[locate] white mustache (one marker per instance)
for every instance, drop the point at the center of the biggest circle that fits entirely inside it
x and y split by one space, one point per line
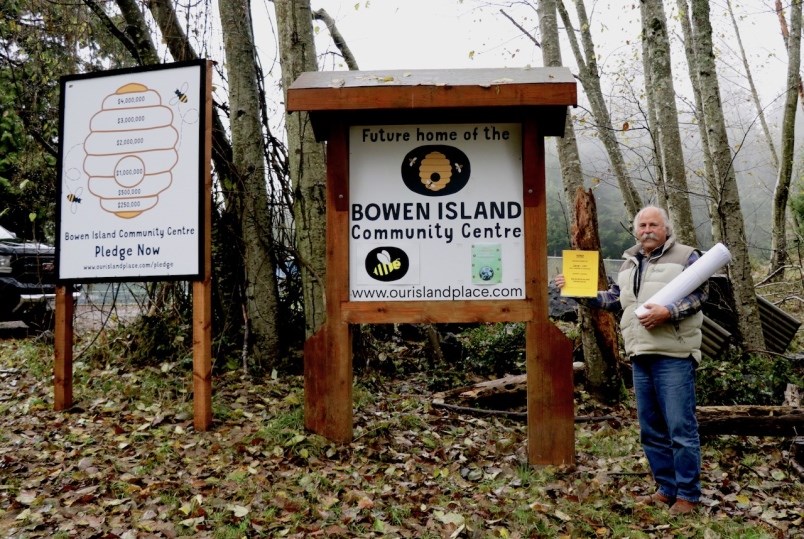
649 236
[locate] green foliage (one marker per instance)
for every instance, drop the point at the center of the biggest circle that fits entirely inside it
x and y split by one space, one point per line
752 379
160 337
25 169
558 224
41 42
494 349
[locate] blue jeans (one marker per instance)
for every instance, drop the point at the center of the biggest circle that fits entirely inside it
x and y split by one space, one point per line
665 395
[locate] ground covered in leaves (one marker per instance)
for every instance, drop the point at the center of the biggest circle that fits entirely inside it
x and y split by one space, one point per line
126 462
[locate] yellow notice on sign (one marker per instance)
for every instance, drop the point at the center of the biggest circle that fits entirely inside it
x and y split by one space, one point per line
580 273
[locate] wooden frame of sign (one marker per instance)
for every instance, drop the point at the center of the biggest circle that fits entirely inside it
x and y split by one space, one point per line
537 99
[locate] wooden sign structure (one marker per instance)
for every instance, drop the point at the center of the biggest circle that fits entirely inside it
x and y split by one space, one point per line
135 198
535 100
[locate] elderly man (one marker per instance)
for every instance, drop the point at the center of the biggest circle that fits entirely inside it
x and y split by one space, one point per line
664 348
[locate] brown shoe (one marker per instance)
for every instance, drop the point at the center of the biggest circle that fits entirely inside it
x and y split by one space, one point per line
654 499
683 507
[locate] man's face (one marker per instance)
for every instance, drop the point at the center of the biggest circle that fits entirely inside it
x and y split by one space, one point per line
651 231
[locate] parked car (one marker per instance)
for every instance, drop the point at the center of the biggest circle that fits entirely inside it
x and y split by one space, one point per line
27 281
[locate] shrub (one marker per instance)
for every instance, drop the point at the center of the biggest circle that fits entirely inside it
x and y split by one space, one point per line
750 379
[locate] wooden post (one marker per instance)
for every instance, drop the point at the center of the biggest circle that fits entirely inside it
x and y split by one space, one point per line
551 416
202 290
202 360
328 354
63 349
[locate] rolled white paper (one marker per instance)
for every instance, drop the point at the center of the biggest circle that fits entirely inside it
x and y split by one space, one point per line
690 279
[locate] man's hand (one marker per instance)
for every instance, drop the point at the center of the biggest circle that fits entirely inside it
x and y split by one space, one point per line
656 315
559 280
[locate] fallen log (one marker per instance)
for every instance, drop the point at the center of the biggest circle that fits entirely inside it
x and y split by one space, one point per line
496 396
498 393
747 420
516 416
712 420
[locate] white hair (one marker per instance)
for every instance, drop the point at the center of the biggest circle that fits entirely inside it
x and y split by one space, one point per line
662 212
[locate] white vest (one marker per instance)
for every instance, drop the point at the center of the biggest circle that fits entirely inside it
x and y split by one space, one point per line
680 338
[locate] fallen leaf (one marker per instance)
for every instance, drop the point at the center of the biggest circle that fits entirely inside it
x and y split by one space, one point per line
238 510
450 518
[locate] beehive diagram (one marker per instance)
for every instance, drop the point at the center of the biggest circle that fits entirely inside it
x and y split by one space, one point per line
435 171
130 151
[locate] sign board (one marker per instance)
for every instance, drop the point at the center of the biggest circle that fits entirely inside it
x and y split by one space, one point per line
436 212
131 174
433 179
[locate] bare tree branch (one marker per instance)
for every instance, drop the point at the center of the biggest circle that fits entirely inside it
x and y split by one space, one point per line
521 29
322 15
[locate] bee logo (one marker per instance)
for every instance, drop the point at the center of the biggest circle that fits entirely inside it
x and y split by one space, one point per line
181 94
74 199
387 263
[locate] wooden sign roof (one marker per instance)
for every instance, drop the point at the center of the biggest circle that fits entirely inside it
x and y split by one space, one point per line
434 96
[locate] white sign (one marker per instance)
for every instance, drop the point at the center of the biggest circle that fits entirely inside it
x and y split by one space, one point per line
131 174
436 213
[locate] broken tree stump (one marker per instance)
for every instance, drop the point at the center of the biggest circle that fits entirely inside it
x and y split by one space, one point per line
598 328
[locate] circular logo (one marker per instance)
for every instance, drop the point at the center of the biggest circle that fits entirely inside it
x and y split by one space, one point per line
387 263
435 170
486 273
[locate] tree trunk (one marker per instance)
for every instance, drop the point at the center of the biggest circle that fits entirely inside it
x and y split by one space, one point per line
785 36
724 189
709 167
308 169
182 51
654 27
568 155
137 31
655 170
590 79
247 153
603 379
781 192
570 162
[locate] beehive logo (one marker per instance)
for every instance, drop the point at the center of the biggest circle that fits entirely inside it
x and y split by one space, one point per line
387 263
131 150
435 170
